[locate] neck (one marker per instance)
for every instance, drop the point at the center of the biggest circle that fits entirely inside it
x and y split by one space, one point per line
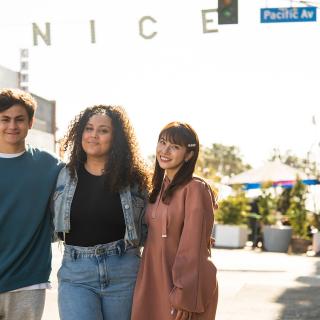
95 166
11 149
170 175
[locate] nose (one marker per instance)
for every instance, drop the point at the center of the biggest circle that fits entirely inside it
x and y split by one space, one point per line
12 124
167 149
94 133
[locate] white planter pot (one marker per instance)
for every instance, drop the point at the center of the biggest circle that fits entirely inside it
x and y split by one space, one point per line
230 236
316 242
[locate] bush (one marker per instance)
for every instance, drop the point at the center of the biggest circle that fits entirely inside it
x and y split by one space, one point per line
297 212
267 206
233 210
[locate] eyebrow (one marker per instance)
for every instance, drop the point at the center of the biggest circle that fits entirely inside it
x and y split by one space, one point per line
20 116
100 126
173 143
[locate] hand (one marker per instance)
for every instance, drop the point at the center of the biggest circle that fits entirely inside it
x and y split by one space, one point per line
183 315
213 242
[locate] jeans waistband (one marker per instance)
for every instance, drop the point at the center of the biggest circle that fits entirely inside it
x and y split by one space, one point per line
112 248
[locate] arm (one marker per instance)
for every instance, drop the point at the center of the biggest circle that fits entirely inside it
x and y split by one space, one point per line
139 202
194 275
51 208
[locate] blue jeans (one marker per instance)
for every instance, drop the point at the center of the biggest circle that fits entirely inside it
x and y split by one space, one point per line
97 283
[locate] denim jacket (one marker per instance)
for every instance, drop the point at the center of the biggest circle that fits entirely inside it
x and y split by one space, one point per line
133 205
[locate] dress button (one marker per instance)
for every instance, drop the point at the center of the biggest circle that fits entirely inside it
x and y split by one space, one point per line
126 206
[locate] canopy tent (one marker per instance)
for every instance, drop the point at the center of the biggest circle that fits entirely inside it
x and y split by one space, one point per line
276 172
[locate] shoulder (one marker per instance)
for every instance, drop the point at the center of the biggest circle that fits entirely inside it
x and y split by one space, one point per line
64 174
40 154
136 190
197 183
44 158
197 186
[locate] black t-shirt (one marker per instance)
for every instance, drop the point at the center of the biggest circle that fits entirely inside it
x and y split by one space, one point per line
96 213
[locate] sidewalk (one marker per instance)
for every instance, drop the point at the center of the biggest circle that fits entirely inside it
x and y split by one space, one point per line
267 286
252 284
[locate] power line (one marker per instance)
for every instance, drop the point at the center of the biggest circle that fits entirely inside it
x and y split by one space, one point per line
310 3
305 2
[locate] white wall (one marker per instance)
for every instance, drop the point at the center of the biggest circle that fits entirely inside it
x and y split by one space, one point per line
8 78
41 139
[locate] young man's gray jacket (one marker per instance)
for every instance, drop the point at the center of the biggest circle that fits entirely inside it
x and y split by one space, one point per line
133 205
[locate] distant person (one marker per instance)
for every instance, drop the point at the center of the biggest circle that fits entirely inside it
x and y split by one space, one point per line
99 203
27 178
255 223
177 279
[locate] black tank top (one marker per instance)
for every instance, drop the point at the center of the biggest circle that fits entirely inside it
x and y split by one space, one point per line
96 213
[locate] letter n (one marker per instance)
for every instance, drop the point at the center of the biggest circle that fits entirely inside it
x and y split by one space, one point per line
44 36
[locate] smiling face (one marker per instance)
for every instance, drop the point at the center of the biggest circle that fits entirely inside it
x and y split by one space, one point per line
14 126
97 136
171 156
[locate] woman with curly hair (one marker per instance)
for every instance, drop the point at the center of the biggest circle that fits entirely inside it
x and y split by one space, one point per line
98 205
177 279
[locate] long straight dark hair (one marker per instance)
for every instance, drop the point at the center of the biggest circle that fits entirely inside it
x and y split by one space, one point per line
184 135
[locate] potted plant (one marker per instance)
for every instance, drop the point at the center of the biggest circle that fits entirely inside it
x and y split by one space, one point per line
276 236
298 219
231 230
316 233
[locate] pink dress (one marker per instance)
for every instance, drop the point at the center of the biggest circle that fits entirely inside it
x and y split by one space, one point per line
176 269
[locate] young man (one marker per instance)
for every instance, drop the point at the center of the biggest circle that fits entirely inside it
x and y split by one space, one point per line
27 178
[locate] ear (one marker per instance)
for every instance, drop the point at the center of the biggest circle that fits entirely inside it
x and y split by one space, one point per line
31 123
188 156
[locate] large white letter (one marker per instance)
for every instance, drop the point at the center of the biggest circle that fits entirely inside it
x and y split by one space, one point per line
141 32
44 36
205 21
93 31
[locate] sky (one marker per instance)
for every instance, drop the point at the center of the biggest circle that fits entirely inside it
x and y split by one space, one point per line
252 85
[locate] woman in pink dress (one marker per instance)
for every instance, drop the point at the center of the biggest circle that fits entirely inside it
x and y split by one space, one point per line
177 279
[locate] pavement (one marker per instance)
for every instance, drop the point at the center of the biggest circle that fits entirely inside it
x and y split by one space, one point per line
252 285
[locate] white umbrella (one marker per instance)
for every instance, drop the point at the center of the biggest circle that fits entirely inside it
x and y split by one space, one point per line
274 171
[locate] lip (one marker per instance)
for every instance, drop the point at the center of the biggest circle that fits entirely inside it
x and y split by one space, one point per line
164 159
12 133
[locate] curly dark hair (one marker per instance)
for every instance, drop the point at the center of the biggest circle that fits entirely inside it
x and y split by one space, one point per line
124 166
184 135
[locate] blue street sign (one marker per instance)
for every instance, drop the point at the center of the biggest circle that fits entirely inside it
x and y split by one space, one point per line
297 14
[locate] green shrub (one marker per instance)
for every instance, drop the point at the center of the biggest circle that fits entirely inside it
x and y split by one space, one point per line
297 212
233 210
267 205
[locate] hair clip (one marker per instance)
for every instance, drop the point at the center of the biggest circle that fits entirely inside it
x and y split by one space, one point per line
190 145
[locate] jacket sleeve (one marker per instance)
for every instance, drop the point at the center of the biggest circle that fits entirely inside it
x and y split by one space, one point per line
144 227
51 208
54 236
194 275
